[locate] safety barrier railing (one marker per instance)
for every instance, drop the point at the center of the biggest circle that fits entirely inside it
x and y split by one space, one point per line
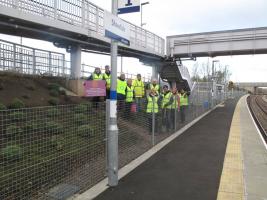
27 60
55 151
84 14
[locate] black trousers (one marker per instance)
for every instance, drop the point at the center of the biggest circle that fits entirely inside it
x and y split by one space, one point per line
182 113
150 122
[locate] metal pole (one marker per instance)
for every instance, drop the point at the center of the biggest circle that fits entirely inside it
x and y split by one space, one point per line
121 63
175 113
113 128
153 121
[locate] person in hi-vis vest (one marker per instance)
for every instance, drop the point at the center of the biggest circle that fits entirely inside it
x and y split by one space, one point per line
121 94
139 91
129 97
107 78
152 108
183 104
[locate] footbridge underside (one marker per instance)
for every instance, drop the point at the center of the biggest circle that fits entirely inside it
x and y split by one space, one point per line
68 23
219 43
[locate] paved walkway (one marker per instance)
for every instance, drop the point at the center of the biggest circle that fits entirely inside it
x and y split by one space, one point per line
189 167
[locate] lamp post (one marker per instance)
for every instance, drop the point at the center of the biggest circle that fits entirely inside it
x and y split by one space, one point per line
142 4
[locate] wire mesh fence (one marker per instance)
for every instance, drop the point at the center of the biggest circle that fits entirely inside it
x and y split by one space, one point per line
56 151
49 151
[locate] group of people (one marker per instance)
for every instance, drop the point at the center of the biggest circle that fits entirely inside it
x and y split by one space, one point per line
150 97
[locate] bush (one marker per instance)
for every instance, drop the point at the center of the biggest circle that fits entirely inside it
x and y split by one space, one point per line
13 130
54 93
62 92
54 127
53 112
85 131
17 104
80 119
12 152
81 108
53 86
57 143
53 101
2 107
17 116
32 126
30 87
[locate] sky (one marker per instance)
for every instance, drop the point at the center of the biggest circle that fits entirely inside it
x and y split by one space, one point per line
173 17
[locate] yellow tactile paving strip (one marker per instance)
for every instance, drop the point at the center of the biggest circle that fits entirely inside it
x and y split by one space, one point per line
232 182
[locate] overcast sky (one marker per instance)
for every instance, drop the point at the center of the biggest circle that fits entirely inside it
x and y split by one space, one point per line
173 17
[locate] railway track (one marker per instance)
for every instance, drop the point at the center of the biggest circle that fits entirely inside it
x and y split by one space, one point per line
258 108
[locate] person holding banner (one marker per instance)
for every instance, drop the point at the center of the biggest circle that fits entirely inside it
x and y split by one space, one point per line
96 75
107 78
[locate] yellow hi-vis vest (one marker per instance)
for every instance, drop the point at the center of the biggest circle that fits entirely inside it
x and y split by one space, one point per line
129 94
183 100
156 87
121 86
152 106
107 78
166 99
175 101
139 88
97 77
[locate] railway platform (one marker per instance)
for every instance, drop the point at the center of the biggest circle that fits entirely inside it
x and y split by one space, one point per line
220 157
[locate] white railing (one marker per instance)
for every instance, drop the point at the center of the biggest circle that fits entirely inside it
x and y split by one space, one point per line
84 14
27 60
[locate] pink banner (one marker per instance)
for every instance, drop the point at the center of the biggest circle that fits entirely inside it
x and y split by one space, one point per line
95 88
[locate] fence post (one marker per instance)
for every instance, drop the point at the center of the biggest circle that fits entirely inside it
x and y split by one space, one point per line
14 56
34 62
49 63
175 113
153 121
106 138
63 65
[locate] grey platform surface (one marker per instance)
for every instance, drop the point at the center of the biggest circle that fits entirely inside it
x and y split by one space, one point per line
188 168
254 155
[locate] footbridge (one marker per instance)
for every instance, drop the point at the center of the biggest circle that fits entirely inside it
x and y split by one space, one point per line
218 43
252 87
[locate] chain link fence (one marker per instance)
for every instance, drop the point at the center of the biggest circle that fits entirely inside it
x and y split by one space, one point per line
54 152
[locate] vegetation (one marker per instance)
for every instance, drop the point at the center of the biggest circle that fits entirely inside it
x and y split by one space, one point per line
53 101
12 152
54 93
80 119
53 112
17 116
17 104
53 127
85 131
81 108
13 130
2 106
53 86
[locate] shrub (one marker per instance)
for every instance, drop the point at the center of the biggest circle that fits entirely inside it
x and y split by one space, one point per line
17 104
62 92
85 131
25 96
57 142
81 108
53 86
32 126
53 101
13 130
53 112
80 119
54 93
54 127
2 107
17 116
30 87
1 86
12 152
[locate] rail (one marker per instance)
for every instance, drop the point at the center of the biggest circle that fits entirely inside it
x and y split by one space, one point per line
86 15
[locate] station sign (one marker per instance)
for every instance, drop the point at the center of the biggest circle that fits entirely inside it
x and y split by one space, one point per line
116 28
128 6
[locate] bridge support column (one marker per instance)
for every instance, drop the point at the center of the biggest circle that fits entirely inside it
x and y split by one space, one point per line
155 72
76 59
